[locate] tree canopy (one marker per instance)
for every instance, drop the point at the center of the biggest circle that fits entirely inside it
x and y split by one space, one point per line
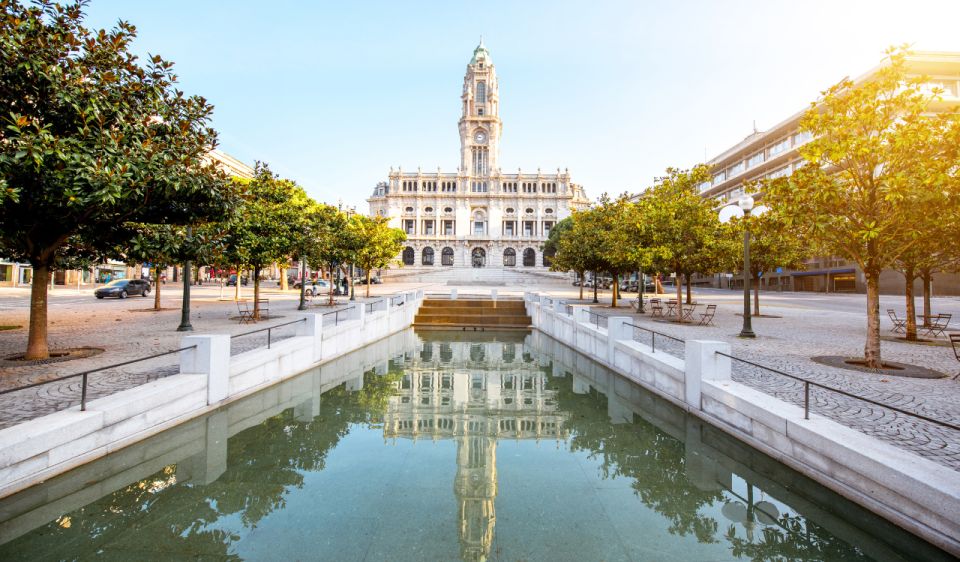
91 138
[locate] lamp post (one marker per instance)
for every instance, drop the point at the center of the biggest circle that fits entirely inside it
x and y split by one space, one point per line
746 205
743 209
303 284
185 325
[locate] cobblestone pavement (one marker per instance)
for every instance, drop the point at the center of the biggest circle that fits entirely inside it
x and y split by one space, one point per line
125 330
827 325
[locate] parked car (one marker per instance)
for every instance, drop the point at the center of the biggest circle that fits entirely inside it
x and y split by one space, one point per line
232 282
315 287
374 280
123 288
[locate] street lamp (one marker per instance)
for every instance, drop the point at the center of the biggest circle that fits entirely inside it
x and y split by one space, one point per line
185 325
742 209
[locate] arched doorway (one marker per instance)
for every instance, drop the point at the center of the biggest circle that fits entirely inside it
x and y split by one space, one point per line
479 257
446 256
427 256
548 257
529 257
408 257
510 257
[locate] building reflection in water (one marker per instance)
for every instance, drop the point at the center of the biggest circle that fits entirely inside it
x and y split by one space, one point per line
476 394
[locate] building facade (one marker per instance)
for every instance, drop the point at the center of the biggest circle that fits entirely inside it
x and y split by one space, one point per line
775 153
477 216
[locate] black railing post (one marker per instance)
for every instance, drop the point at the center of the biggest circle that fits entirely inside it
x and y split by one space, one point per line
653 342
806 400
268 337
83 394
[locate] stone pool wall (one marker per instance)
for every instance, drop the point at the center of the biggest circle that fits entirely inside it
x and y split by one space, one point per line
209 378
915 493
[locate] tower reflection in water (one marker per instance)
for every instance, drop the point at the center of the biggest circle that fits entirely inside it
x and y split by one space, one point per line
474 393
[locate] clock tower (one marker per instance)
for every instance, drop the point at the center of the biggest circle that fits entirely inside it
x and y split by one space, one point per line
480 117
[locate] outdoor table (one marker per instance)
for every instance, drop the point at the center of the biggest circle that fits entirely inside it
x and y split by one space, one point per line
671 306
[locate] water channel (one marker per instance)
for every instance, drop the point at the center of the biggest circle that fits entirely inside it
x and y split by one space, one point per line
445 446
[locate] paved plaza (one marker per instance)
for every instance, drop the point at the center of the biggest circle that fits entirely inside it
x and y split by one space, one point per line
809 324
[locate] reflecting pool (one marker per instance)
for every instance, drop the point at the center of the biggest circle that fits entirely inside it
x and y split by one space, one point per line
445 446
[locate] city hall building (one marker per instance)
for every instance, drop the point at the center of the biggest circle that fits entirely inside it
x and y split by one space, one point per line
479 216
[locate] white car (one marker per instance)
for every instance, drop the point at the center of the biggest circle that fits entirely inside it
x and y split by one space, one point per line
317 287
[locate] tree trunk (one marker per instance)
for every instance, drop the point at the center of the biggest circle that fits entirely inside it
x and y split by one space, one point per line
614 291
330 292
580 273
927 276
256 293
756 294
284 284
368 283
910 275
595 288
689 294
871 348
37 338
657 285
156 283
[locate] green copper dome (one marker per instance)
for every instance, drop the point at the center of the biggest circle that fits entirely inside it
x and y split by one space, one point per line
480 52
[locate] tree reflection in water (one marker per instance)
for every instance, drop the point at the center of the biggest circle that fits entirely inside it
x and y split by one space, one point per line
268 461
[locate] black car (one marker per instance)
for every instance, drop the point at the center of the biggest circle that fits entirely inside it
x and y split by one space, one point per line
123 288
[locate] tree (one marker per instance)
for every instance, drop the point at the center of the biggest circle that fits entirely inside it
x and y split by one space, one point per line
685 229
562 244
90 139
377 243
157 244
878 163
622 245
267 226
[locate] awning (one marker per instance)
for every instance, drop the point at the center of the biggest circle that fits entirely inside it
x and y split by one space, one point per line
823 272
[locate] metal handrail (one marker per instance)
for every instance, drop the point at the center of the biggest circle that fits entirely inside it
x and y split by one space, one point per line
369 306
268 330
568 308
398 300
653 336
84 374
336 313
807 383
598 320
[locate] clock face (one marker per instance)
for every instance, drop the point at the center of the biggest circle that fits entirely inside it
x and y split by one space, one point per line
480 137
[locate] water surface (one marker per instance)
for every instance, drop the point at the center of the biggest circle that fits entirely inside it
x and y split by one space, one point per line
496 446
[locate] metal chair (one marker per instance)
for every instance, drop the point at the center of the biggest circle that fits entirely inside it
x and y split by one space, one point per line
955 343
938 324
246 315
899 325
656 309
706 319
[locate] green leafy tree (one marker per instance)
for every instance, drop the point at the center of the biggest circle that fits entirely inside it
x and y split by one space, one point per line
377 244
267 227
90 139
623 244
684 227
878 163
566 255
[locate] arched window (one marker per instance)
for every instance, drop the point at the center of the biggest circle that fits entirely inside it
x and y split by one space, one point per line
446 256
408 257
510 210
548 257
408 210
428 210
427 256
448 209
548 211
529 257
481 92
510 257
529 211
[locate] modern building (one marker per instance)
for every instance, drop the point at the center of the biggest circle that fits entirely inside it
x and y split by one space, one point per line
776 153
477 216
